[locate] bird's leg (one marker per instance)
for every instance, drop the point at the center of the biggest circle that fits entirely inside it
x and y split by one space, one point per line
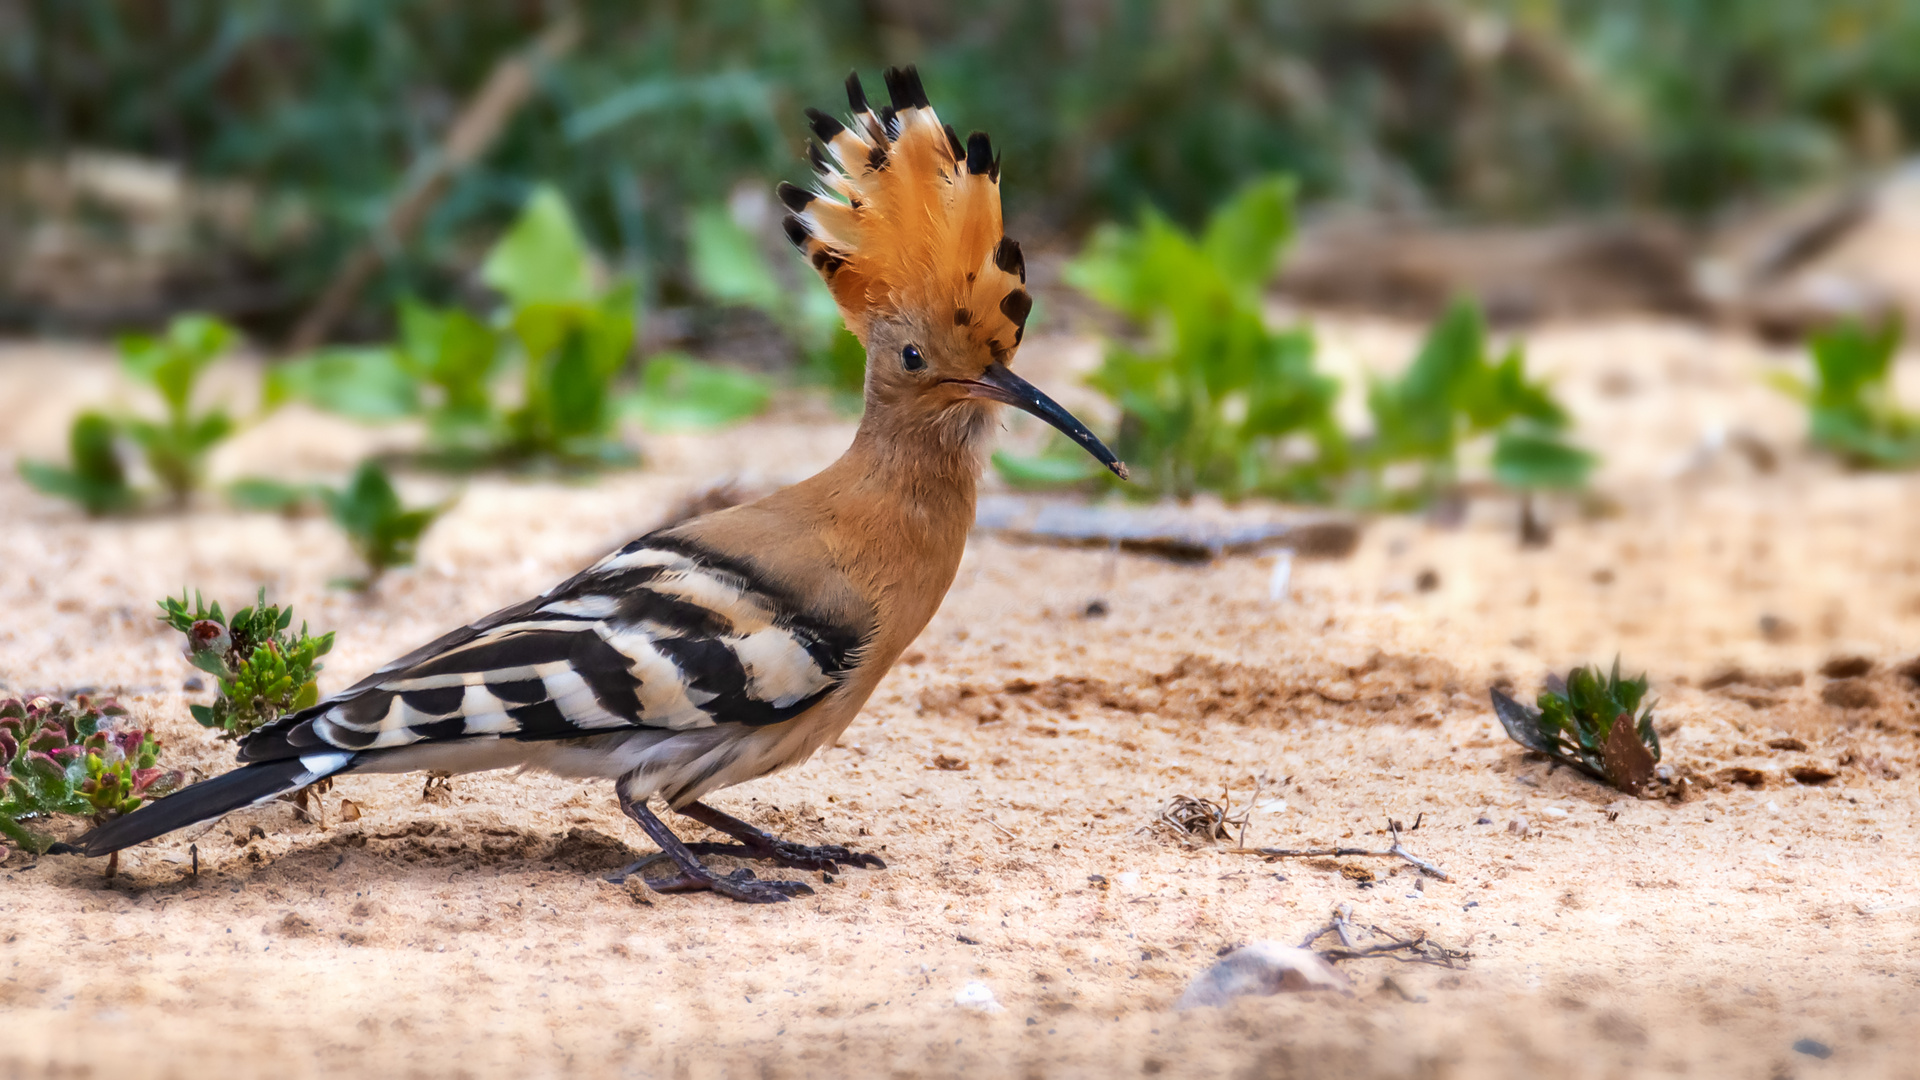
757 844
694 877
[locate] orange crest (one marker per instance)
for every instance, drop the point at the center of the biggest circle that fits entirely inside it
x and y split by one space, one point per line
908 219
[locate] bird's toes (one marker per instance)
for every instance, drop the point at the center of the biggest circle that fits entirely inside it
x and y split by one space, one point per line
743 886
828 857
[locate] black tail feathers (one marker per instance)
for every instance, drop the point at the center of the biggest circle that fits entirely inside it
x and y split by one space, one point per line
208 800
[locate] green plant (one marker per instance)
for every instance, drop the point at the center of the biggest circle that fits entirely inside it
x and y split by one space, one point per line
72 757
1216 401
382 530
571 339
730 265
1596 722
1851 408
1454 392
97 479
176 448
679 393
263 671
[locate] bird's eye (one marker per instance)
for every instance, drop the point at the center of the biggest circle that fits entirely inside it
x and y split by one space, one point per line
910 356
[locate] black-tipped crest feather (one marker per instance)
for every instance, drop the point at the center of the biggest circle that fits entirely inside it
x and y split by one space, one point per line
795 198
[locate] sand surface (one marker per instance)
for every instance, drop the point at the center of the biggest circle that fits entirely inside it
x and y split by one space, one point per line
1023 748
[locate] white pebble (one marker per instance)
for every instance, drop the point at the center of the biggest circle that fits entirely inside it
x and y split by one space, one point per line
978 996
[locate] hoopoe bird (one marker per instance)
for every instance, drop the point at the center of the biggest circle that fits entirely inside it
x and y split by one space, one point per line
724 648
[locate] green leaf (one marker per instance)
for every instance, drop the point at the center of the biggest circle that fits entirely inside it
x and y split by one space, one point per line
172 363
97 480
1244 236
1045 471
728 265
382 530
679 393
1537 459
450 349
362 383
275 496
543 258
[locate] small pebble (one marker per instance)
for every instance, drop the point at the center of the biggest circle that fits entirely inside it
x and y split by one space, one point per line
978 996
1813 1048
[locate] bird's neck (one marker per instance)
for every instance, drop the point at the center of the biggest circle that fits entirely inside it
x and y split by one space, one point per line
900 503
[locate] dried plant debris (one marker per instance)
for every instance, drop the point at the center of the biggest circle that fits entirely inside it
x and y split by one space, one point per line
1397 851
1589 722
1191 819
263 671
81 757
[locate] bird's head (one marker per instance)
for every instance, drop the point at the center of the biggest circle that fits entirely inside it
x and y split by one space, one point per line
905 230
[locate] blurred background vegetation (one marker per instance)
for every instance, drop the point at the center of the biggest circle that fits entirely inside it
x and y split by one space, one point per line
285 132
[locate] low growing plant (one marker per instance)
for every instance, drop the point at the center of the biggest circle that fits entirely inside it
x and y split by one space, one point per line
1851 407
1215 400
569 337
263 671
383 530
97 477
1596 722
80 757
1454 392
175 447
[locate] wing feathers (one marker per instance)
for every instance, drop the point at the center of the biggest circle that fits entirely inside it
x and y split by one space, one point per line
657 635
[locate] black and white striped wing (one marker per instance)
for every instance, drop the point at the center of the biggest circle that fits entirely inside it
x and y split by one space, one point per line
660 634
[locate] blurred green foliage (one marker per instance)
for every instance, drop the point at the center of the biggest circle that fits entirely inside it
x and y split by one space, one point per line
263 670
1216 401
97 478
175 448
570 337
1453 392
730 265
1210 402
1851 407
1502 107
383 530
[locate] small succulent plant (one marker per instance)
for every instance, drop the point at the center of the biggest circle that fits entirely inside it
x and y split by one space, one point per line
263 671
72 757
1596 722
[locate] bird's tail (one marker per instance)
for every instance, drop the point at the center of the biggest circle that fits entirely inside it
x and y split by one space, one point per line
209 799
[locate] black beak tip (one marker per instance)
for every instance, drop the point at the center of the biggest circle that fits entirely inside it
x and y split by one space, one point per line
1120 470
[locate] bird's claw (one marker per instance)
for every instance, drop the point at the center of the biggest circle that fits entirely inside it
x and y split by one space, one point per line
828 857
741 885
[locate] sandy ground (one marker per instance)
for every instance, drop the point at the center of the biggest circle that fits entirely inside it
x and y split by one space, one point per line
475 936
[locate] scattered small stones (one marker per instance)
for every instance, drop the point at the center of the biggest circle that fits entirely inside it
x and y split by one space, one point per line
1741 774
1786 743
946 763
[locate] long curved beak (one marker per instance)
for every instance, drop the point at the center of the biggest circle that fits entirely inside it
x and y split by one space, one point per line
1000 384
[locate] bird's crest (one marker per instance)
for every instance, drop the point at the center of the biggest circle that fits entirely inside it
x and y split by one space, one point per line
907 219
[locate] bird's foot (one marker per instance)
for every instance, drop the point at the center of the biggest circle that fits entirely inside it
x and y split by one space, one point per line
828 857
741 885
759 844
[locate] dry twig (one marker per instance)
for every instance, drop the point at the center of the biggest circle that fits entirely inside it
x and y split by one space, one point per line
1415 950
1398 851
